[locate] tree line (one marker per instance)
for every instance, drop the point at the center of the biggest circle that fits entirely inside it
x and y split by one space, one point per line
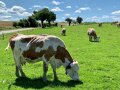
32 21
42 15
78 20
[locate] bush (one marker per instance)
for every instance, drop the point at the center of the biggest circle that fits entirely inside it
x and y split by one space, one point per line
15 24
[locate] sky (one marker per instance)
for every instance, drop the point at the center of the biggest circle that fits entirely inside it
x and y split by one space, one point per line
89 10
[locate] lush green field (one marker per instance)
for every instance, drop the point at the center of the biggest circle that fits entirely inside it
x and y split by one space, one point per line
99 62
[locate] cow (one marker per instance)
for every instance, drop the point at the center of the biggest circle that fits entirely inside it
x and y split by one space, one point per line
99 24
63 32
92 35
118 24
47 48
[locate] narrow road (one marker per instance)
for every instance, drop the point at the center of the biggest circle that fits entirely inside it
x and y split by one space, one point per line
11 31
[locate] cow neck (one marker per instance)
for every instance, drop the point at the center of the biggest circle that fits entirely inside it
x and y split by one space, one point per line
67 63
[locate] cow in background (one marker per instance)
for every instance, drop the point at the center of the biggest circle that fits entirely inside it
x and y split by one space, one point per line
99 24
92 35
63 32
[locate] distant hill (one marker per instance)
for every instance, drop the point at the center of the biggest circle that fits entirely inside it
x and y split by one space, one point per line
6 23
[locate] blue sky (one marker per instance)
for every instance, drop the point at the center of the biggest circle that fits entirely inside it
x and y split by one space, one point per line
89 10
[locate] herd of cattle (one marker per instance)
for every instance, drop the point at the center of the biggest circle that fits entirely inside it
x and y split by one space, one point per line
47 48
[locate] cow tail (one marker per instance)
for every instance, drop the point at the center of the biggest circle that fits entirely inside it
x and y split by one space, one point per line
7 47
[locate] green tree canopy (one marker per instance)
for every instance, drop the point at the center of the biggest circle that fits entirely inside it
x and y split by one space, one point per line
43 15
68 20
79 19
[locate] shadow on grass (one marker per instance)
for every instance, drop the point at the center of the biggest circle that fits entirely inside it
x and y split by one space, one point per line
38 83
95 41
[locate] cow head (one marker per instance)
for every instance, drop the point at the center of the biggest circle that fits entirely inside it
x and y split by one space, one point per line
97 39
72 70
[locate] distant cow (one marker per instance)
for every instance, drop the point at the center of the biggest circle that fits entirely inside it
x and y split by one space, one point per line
118 24
114 23
92 35
99 24
46 48
63 32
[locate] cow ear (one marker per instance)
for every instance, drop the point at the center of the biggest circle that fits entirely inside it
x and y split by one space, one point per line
73 63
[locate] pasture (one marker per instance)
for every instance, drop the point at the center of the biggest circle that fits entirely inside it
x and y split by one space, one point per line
99 61
6 25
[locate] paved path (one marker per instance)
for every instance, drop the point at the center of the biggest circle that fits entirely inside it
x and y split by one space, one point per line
11 31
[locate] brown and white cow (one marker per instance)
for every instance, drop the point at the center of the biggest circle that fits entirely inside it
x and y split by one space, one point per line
92 35
63 32
118 24
46 48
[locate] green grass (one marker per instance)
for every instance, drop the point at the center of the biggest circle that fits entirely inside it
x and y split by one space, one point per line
99 62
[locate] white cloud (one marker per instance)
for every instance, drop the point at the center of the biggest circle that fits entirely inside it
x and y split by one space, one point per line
93 19
116 12
105 17
67 14
99 19
36 6
45 7
56 2
16 9
25 14
68 6
78 11
82 9
2 4
3 11
115 18
99 9
5 18
13 13
56 9
73 18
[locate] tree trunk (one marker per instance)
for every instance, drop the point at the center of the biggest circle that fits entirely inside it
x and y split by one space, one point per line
42 24
49 23
69 23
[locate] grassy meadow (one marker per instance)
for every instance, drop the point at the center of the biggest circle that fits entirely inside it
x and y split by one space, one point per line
99 61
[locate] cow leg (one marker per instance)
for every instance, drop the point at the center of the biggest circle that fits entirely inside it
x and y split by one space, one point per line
18 67
55 75
17 72
90 38
21 71
53 65
45 69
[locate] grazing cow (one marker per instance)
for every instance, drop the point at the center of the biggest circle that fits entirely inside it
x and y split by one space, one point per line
46 48
61 26
63 32
118 24
92 35
114 23
99 24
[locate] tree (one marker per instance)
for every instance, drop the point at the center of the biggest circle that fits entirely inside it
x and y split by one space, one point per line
51 17
26 23
41 15
32 21
15 24
79 19
21 23
68 20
